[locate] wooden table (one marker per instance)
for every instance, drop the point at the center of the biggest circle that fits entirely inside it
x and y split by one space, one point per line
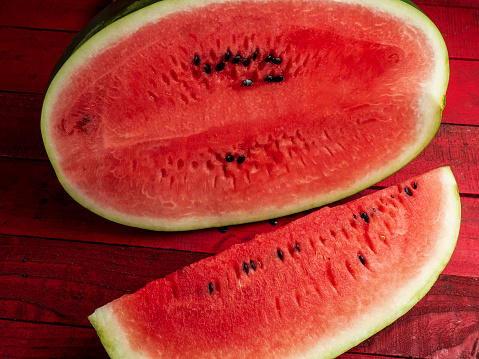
58 262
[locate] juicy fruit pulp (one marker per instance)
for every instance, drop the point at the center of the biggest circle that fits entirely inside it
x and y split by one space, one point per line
186 115
311 289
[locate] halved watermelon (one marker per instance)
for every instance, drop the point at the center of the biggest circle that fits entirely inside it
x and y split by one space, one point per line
189 114
311 289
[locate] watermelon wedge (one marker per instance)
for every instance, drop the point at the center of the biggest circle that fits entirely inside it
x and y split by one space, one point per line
311 289
177 115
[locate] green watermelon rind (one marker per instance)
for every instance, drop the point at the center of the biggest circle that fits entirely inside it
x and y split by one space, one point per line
433 104
449 218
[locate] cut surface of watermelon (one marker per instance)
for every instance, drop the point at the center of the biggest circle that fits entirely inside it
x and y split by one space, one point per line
311 289
191 114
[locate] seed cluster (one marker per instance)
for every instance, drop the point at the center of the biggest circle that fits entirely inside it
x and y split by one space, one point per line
230 158
251 265
238 59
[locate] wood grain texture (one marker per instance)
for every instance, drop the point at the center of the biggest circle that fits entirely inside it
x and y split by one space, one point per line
28 56
448 3
50 14
25 340
454 146
20 134
444 319
60 282
459 27
58 261
462 99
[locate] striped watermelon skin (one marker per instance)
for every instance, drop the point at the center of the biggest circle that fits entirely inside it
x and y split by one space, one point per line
311 289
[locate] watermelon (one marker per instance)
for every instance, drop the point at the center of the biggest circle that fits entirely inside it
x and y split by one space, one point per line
311 289
178 115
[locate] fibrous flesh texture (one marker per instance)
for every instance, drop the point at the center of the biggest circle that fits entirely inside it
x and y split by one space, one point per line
311 289
194 115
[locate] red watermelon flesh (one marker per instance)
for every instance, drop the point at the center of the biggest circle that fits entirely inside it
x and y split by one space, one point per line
311 289
147 124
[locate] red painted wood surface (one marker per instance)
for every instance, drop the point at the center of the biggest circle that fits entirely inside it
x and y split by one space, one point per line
58 261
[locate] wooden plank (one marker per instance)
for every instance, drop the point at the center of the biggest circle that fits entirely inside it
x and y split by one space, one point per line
459 27
20 134
28 56
449 3
62 282
351 355
454 146
462 101
465 259
444 319
21 340
50 14
24 340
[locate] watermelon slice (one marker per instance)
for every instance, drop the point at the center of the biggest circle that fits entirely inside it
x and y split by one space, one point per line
311 289
179 115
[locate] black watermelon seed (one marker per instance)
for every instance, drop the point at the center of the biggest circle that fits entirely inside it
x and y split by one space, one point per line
241 159
408 191
210 287
196 60
277 60
208 69
246 62
296 246
220 66
273 222
229 158
280 254
236 59
362 260
228 56
223 229
268 58
247 82
245 268
415 185
268 78
278 78
253 266
365 216
374 210
255 54
354 216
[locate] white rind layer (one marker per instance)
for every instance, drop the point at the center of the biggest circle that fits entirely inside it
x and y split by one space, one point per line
429 120
447 229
